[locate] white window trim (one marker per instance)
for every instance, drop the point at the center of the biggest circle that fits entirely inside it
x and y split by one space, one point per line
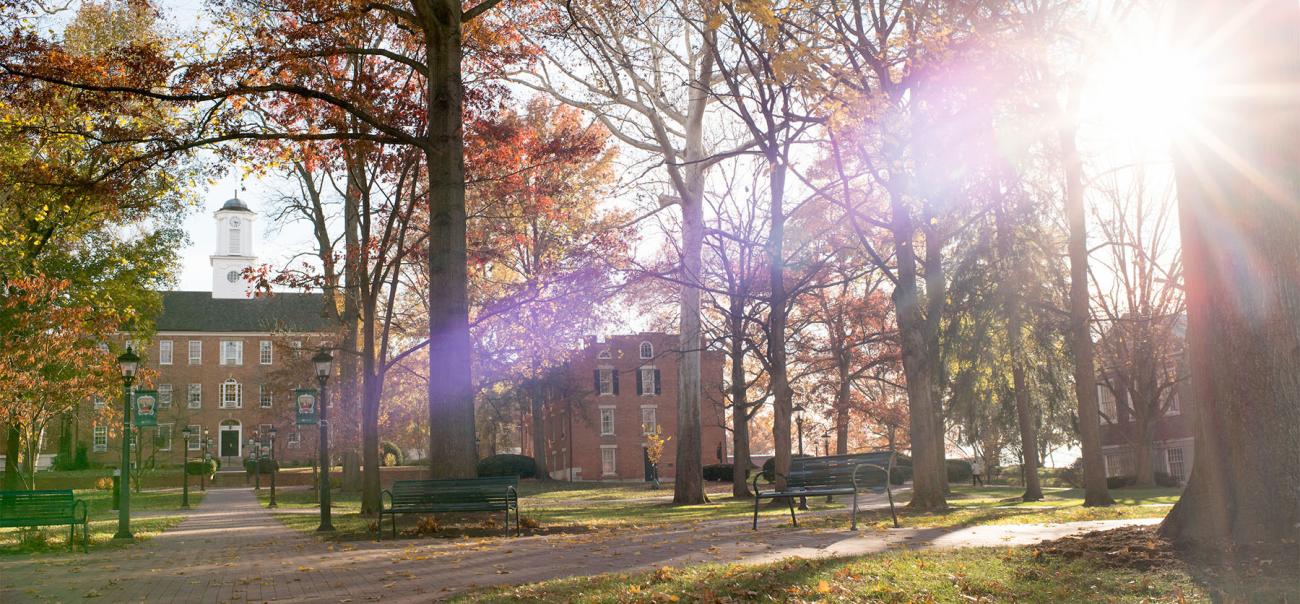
613 458
193 402
194 353
166 396
239 395
166 352
171 434
604 354
295 439
265 353
610 409
237 346
96 433
603 372
194 442
264 396
655 408
97 401
641 350
647 386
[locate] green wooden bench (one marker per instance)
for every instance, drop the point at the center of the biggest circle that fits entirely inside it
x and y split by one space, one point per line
833 475
25 509
497 494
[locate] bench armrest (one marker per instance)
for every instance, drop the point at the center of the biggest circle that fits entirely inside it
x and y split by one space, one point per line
381 499
82 503
760 475
869 465
512 493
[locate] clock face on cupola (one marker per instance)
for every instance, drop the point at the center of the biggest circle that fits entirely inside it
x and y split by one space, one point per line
234 253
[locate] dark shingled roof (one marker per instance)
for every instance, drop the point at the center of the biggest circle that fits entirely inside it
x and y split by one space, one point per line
235 203
199 311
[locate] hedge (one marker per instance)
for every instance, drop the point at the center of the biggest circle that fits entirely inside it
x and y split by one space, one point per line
959 470
198 467
507 464
720 472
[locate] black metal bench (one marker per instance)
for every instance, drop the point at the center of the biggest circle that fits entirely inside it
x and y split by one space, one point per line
27 509
451 495
833 475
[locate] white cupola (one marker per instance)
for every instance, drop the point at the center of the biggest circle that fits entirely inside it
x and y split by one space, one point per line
234 249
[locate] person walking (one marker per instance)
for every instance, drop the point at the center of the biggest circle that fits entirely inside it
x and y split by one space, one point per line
977 473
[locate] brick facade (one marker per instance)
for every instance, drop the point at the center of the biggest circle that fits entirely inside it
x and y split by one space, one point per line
599 418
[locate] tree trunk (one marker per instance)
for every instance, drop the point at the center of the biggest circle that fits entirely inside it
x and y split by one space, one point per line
936 292
927 468
782 397
842 398
537 406
372 393
452 452
1239 195
1095 491
13 439
739 400
1011 300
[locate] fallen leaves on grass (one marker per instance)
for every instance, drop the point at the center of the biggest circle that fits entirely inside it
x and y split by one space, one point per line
1134 547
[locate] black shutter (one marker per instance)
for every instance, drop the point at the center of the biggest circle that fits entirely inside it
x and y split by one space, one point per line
658 383
595 376
615 372
640 384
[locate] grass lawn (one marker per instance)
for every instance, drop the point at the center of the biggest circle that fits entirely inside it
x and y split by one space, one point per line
968 575
103 522
558 507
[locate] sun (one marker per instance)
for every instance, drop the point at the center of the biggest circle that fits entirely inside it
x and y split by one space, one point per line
1146 91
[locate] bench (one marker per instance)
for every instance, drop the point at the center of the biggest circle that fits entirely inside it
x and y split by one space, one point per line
24 509
833 475
497 494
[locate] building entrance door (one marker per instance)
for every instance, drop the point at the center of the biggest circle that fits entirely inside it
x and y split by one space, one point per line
649 469
230 442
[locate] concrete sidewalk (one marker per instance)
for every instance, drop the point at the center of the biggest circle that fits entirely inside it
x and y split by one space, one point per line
231 549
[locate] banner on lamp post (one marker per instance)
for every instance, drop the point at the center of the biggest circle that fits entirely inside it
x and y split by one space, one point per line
304 402
146 408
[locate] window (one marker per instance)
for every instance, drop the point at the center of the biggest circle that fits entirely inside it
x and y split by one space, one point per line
100 442
164 396
1107 405
196 352
649 420
608 461
264 352
295 439
264 396
647 351
1119 464
234 237
96 401
606 380
232 395
232 352
1174 406
1177 469
296 345
163 437
647 381
604 354
165 352
264 434
194 441
194 399
607 421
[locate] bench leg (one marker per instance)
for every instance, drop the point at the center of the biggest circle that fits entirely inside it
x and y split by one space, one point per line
755 511
85 537
393 516
72 536
853 525
793 520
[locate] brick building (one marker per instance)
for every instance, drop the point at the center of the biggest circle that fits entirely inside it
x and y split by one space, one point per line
621 387
223 363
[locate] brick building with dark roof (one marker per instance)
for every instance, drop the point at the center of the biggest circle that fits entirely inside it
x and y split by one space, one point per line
225 363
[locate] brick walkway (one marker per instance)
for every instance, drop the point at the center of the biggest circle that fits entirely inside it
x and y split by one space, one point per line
231 550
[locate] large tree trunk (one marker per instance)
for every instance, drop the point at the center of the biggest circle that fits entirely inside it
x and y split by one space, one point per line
1239 196
372 393
936 292
739 400
537 410
928 474
842 398
782 397
1012 304
452 452
1095 491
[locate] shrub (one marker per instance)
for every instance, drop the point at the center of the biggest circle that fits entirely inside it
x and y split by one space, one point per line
198 467
82 459
507 464
262 466
1165 480
959 470
1072 475
769 467
390 454
1119 482
719 472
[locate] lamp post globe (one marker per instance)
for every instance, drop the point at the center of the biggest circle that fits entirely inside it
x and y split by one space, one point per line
129 363
323 362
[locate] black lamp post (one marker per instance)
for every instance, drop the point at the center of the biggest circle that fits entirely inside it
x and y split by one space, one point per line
274 467
323 362
798 422
204 443
254 444
826 443
129 363
185 469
